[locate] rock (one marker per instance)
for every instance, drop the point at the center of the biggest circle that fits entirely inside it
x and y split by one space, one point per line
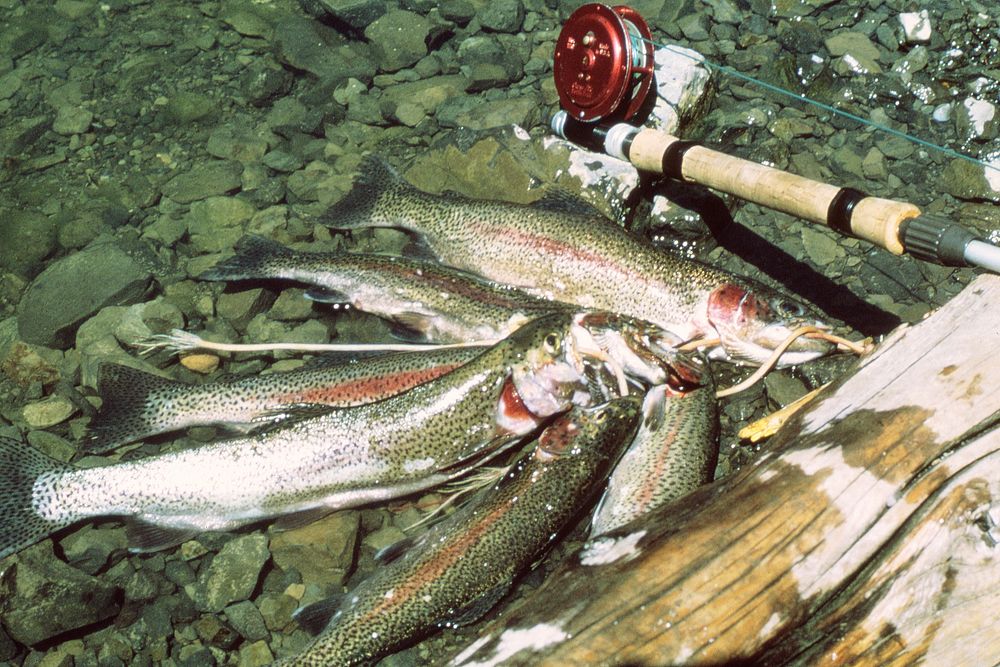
28 238
215 224
322 552
502 16
48 412
244 20
233 573
204 180
44 597
976 120
916 26
459 11
26 364
782 388
255 655
72 120
475 114
239 308
187 107
276 610
237 142
246 620
966 180
398 39
694 27
357 14
507 51
76 287
425 95
291 306
264 80
89 549
201 363
857 54
312 47
821 248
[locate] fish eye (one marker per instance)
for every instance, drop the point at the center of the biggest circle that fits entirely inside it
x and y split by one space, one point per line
789 308
552 342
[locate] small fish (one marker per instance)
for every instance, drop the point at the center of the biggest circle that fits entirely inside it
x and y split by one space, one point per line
674 452
343 458
567 252
461 567
442 304
137 405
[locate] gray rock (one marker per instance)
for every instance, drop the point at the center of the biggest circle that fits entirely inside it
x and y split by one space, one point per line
237 142
263 81
44 597
425 95
311 47
48 412
694 27
502 15
89 549
233 573
17 136
857 53
276 609
322 552
215 224
964 180
508 51
291 306
474 114
256 654
76 287
358 14
398 39
28 238
459 11
976 120
187 107
241 18
72 120
204 180
821 247
246 620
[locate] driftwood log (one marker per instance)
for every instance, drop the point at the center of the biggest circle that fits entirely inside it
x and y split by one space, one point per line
866 534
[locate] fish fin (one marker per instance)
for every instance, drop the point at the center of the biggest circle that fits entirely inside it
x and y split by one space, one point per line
387 554
478 608
415 248
20 466
299 519
563 201
125 393
654 408
326 295
404 333
144 536
355 210
254 258
412 320
280 417
313 618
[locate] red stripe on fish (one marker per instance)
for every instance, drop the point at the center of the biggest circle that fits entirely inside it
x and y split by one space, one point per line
367 389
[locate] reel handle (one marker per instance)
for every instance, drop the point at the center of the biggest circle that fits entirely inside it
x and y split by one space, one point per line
871 218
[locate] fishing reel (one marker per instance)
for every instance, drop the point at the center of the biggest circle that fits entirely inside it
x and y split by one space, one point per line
603 63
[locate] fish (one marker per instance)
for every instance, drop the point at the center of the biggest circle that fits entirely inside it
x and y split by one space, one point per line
442 304
462 566
674 452
342 458
564 250
137 405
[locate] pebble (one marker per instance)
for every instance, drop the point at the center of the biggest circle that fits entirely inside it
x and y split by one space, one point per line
203 364
233 573
48 412
916 26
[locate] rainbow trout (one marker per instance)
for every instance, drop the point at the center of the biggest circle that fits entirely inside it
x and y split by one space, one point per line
674 452
565 252
462 566
137 405
443 304
343 458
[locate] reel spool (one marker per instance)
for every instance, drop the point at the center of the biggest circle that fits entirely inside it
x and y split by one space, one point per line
603 63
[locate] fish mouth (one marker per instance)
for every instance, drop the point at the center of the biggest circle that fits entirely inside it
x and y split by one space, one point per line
636 352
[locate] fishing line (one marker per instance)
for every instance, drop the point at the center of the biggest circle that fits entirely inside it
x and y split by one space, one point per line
821 105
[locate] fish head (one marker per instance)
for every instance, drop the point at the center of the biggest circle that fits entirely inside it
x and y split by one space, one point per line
598 430
547 368
640 352
751 322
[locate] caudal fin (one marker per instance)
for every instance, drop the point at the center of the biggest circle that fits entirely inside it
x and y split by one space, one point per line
20 524
256 257
360 207
127 411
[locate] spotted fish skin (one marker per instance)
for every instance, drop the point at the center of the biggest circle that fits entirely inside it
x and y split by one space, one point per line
574 256
347 457
469 559
443 304
136 405
674 452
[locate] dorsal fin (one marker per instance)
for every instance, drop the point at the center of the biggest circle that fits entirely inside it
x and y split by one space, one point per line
564 201
313 618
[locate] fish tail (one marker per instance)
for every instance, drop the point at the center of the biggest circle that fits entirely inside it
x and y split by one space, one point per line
256 257
20 524
360 207
127 394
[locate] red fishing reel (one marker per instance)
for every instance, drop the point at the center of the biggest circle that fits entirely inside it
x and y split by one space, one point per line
603 63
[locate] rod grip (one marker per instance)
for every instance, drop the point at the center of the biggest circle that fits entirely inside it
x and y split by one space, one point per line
871 218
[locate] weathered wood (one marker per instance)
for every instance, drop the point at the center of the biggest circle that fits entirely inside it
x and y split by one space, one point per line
863 536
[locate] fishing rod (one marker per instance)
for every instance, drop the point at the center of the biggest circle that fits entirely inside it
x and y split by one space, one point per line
603 67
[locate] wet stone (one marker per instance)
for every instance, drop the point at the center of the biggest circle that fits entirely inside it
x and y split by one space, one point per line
204 180
358 14
309 46
237 143
322 552
502 15
89 549
232 574
398 39
28 238
72 120
291 306
49 597
246 619
48 412
276 610
76 287
857 53
217 223
256 654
